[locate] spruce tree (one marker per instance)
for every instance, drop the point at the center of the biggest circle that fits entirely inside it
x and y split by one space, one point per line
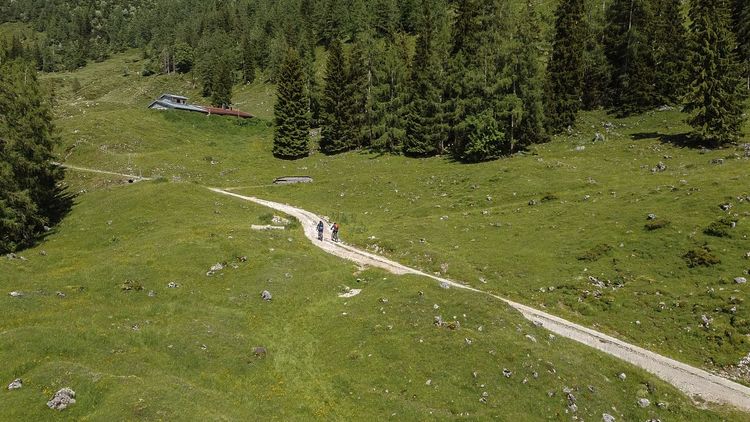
670 52
716 89
221 83
628 47
596 73
426 125
565 70
291 112
29 194
742 27
359 85
335 119
390 91
528 82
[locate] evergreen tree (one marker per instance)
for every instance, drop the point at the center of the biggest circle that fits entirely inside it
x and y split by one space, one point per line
221 83
390 91
715 93
426 125
742 27
336 134
670 52
596 73
29 195
248 60
565 69
291 112
528 82
628 47
359 85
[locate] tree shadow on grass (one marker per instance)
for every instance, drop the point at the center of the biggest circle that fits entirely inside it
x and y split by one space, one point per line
680 140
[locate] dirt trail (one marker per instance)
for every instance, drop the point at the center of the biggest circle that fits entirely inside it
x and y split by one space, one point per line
692 381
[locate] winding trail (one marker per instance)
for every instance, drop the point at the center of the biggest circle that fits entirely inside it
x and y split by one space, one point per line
694 382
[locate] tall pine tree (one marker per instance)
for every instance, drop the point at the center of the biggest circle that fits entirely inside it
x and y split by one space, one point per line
426 125
565 70
390 91
291 110
29 194
716 87
670 52
336 133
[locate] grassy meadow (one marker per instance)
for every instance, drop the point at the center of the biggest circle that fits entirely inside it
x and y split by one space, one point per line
532 227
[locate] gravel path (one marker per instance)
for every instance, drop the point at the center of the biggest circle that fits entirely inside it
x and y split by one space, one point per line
694 382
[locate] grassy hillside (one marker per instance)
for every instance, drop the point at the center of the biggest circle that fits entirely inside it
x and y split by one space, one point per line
187 352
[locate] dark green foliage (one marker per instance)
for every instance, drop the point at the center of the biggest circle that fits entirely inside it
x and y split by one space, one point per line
628 46
742 30
291 110
426 125
29 195
719 228
716 92
390 82
359 85
670 45
566 68
221 83
657 224
336 133
183 57
700 257
595 253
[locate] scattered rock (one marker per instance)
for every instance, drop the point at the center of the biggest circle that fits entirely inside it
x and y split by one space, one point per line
60 294
651 217
726 206
280 220
15 294
445 285
740 280
705 321
62 399
16 384
468 341
573 407
507 373
266 295
260 352
606 417
172 285
644 402
242 258
428 382
215 268
530 337
622 376
266 227
660 167
717 161
580 148
131 285
598 137
532 202
151 293
350 292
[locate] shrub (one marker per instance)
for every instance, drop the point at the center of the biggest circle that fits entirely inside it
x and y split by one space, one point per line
719 228
700 257
659 223
595 253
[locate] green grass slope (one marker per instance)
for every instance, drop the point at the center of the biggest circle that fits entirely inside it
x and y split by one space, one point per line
186 353
590 201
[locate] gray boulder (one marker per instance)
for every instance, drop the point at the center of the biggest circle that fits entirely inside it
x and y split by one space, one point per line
16 384
740 280
266 295
62 399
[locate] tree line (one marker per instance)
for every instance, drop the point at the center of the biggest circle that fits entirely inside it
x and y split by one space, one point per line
475 87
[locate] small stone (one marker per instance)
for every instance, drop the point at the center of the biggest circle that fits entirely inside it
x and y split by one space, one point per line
445 285
740 280
260 352
60 294
530 337
644 402
266 295
172 285
16 384
151 293
726 207
651 217
62 399
573 407
606 417
428 382
468 341
438 320
15 294
622 376
507 373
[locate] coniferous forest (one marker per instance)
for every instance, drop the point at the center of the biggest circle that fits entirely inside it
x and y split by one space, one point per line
475 79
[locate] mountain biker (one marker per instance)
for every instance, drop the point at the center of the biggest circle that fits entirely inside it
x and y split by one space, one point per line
335 232
320 230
